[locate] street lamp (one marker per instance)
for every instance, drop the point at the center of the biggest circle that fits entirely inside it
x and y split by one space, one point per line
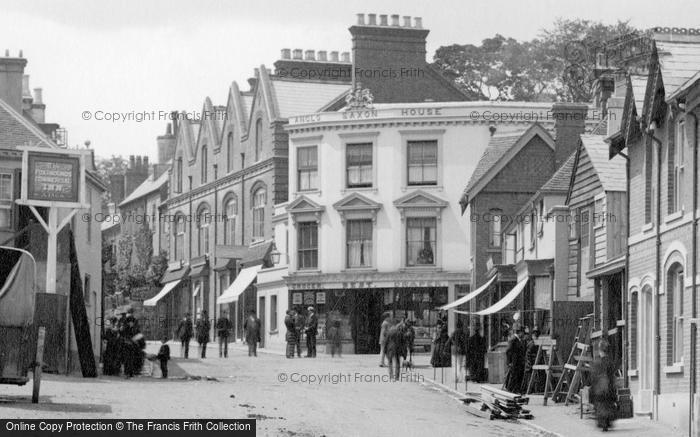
275 255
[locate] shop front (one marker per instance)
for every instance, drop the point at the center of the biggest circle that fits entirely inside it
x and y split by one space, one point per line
359 305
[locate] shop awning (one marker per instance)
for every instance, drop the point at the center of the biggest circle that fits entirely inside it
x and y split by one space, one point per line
200 270
174 275
468 297
507 299
242 281
167 288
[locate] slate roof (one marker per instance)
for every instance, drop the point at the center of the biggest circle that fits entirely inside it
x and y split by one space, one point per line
17 130
679 62
497 147
611 172
561 179
296 97
148 186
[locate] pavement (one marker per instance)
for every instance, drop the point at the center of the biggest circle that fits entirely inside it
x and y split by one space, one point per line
348 396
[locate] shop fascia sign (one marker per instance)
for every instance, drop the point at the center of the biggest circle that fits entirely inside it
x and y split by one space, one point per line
368 114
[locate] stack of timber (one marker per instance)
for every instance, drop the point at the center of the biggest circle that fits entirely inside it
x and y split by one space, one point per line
494 403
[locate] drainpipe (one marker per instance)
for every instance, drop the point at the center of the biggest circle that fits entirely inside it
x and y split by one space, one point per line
694 311
625 300
657 281
211 264
189 246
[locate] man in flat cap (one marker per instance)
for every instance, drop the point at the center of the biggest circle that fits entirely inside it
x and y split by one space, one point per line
311 329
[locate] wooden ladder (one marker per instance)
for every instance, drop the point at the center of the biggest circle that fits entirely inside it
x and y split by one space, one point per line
579 361
548 360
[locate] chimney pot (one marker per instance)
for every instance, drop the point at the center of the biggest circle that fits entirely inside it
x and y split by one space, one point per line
310 55
394 20
406 21
360 19
372 19
334 56
25 87
418 22
286 54
132 161
322 55
297 54
345 57
145 162
38 98
168 129
383 20
20 53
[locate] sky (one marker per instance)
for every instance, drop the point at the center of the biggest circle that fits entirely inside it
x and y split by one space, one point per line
135 57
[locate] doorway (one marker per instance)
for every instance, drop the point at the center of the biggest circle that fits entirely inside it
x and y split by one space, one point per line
261 316
366 320
646 350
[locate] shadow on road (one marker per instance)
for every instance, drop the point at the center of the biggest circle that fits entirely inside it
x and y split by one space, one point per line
45 404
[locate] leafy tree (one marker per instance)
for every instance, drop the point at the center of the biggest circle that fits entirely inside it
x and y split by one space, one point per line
556 66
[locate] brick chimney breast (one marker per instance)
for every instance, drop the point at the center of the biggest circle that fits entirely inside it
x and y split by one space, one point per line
569 124
11 77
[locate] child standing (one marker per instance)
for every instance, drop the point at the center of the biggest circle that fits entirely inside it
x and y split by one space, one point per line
163 356
334 338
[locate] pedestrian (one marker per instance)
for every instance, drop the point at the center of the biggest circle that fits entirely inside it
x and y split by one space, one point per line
252 333
311 329
382 338
185 333
223 329
458 348
298 329
441 352
164 356
133 346
515 358
476 350
334 339
603 387
395 348
410 339
291 335
202 330
530 356
110 359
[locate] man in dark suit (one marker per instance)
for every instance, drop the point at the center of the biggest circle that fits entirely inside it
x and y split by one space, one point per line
298 329
185 332
311 329
515 358
252 333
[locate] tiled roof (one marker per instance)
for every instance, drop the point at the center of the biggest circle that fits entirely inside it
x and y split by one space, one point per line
679 62
561 179
148 186
497 147
295 97
611 172
17 130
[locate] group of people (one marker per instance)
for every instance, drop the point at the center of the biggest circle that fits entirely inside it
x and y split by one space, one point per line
520 358
466 347
298 326
186 330
124 347
396 341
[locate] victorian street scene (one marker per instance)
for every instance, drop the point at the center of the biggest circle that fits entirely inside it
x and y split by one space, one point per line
364 219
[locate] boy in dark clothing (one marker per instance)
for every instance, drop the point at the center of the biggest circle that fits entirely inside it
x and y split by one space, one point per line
163 356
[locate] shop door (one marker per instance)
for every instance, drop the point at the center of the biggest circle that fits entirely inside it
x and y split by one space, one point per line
366 319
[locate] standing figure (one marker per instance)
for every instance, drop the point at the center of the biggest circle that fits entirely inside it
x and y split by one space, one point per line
164 356
111 362
603 391
185 331
252 333
202 329
515 358
223 329
530 357
298 329
382 338
476 350
395 349
334 338
291 336
409 340
441 351
458 347
311 329
133 344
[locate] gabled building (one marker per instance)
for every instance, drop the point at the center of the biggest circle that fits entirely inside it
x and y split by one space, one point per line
658 134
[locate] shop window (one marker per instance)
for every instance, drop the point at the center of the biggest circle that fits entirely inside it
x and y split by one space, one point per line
359 243
422 162
359 165
421 241
307 248
307 168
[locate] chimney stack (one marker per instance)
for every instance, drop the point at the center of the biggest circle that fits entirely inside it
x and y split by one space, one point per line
38 108
297 54
569 124
166 145
419 22
11 77
286 54
360 19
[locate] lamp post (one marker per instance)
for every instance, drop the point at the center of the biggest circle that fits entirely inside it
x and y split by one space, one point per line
274 255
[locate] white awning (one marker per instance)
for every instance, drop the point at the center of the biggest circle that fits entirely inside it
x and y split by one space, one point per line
242 281
468 297
161 294
507 299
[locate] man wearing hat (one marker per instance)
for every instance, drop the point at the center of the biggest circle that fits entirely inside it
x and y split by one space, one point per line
515 358
311 330
530 357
